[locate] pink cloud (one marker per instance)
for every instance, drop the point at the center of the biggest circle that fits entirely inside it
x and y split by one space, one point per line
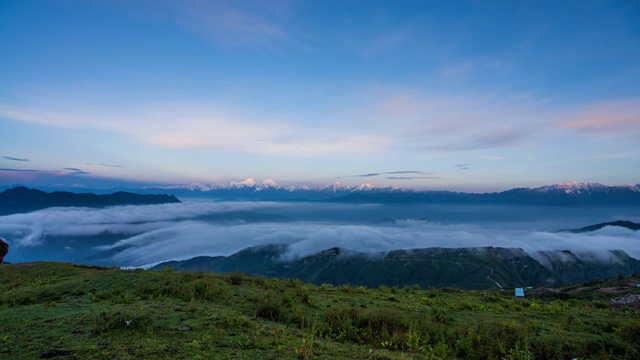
621 116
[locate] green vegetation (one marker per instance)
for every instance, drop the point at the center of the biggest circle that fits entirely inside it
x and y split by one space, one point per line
464 268
108 313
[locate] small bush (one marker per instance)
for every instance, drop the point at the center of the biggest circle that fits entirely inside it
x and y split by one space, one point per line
234 278
121 321
271 310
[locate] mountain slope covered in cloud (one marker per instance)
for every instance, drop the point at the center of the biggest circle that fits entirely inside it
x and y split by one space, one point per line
145 235
468 268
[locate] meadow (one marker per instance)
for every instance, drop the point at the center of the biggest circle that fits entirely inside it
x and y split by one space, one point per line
108 313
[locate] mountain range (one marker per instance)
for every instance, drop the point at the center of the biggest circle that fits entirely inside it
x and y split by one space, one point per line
567 194
21 199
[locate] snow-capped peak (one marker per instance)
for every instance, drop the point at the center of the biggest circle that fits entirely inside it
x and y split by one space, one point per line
266 185
573 187
250 182
364 187
193 187
269 183
334 187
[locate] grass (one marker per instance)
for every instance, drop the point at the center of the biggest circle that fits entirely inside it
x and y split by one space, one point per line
108 313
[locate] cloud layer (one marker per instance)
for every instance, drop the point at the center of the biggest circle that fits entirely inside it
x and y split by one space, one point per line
152 234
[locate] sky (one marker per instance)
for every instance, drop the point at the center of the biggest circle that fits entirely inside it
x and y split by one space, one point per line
458 95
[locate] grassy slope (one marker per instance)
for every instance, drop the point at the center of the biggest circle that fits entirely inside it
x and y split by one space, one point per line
46 306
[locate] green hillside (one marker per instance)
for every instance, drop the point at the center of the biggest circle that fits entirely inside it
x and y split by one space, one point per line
463 268
108 313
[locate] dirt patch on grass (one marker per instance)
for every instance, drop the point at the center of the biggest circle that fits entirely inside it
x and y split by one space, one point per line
27 264
580 289
614 290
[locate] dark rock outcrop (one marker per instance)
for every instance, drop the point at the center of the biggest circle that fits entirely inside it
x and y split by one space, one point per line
54 353
4 249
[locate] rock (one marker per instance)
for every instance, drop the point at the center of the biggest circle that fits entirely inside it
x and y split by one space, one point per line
4 249
184 328
628 299
53 353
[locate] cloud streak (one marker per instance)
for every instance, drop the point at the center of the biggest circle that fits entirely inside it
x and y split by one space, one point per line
233 25
202 126
18 170
407 172
77 171
11 158
412 177
107 165
614 117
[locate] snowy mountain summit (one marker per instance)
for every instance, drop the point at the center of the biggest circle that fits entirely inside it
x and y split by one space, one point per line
253 185
565 194
587 188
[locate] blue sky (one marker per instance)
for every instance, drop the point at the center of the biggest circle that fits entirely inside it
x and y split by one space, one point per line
459 95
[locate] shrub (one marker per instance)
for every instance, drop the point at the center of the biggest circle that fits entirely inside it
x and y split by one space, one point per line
234 278
273 307
114 321
271 310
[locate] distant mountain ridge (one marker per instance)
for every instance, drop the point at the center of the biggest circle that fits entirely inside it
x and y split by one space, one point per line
567 194
467 268
21 199
620 223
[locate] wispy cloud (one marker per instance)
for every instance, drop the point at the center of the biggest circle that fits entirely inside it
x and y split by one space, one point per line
415 172
195 125
18 170
452 123
77 171
48 173
249 23
15 158
462 166
106 165
620 117
412 177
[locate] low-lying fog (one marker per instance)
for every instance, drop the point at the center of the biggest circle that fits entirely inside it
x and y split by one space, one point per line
145 235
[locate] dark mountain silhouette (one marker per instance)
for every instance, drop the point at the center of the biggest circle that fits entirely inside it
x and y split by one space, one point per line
620 223
22 199
467 268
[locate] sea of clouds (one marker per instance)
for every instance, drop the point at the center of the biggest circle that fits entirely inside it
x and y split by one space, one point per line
147 235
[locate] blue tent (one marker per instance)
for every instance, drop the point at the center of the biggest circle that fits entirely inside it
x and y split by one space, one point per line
519 292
